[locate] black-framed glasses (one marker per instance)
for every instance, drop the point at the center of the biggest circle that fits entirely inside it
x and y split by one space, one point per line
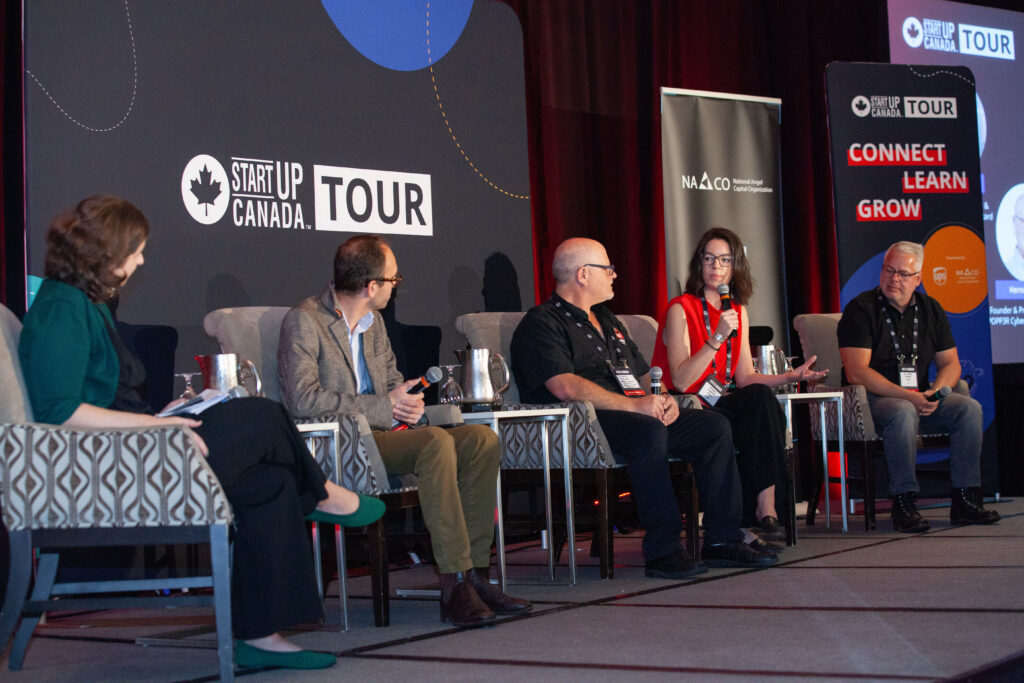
710 259
396 280
889 271
610 267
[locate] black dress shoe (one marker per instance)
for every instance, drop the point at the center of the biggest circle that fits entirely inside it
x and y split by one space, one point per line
460 604
771 529
676 565
500 603
736 554
905 517
967 507
762 546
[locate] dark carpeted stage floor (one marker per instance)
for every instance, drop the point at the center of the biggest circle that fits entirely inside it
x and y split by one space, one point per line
879 606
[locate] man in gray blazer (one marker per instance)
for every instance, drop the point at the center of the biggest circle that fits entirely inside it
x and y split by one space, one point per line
335 357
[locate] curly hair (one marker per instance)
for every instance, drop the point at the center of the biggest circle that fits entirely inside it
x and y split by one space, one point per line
358 261
742 287
85 244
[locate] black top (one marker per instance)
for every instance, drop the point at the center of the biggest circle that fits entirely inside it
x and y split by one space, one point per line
556 338
863 326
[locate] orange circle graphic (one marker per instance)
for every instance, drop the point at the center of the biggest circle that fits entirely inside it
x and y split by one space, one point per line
954 269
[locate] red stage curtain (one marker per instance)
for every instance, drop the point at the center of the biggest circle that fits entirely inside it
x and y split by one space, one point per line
593 73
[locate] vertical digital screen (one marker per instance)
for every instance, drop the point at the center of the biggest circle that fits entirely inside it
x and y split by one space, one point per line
985 40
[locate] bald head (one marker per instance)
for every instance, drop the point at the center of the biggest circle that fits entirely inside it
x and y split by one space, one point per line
573 253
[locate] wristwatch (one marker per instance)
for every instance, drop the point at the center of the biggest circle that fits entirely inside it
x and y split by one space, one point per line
719 338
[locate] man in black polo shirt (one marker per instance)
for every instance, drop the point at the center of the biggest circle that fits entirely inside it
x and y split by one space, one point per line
888 338
572 348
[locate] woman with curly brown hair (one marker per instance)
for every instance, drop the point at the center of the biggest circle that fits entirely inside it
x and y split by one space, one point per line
707 352
79 374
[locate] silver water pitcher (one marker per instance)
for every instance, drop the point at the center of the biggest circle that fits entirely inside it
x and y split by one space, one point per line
224 372
479 366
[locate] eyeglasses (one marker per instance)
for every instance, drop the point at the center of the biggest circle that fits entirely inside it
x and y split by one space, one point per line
396 280
899 274
610 268
711 259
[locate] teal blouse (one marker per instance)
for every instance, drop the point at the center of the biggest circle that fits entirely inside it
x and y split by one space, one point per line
66 353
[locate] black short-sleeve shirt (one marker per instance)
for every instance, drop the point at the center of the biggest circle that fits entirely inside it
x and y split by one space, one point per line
556 338
863 326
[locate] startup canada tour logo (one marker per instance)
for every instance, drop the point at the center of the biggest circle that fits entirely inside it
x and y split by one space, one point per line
263 193
966 39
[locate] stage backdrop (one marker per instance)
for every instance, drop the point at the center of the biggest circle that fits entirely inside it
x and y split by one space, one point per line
257 139
904 148
720 167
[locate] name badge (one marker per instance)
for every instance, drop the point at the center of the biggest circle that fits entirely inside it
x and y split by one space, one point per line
908 377
628 382
711 390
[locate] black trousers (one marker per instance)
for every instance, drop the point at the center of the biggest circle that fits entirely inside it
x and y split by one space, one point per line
271 481
759 434
700 437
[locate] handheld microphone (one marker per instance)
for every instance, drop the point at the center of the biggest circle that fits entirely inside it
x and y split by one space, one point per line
431 376
656 374
723 294
942 393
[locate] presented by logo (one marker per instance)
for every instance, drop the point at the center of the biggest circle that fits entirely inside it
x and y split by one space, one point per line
204 189
861 106
913 32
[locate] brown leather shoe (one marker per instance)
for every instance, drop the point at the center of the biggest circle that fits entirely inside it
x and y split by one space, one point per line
500 603
460 604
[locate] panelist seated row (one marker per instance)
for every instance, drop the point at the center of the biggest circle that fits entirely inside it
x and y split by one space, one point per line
573 348
80 374
335 357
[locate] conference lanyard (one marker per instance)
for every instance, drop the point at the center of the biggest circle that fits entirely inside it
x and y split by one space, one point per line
727 342
613 358
907 371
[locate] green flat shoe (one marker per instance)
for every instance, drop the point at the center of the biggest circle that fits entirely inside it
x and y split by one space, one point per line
254 658
369 511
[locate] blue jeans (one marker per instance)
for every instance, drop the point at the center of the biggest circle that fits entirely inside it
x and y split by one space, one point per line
899 425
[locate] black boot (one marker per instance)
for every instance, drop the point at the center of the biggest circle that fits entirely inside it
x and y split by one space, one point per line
499 602
966 507
460 605
905 516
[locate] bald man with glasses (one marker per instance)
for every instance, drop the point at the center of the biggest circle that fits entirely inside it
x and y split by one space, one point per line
888 338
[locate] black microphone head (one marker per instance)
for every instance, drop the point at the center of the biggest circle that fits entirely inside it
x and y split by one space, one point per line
433 374
945 391
723 290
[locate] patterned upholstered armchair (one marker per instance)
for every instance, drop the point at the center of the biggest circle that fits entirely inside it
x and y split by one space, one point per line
818 337
64 488
591 456
253 332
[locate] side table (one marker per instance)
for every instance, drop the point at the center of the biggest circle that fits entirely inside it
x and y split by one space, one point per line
548 416
821 398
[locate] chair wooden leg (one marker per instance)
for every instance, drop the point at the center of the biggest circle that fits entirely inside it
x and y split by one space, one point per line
604 527
817 476
46 573
789 520
18 578
869 488
693 519
379 573
220 553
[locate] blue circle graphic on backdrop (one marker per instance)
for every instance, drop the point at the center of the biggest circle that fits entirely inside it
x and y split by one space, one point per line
394 34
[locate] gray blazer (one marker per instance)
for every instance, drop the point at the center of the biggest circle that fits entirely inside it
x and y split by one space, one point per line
314 364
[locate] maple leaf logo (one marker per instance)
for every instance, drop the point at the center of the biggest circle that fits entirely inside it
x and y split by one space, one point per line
912 31
861 105
205 189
